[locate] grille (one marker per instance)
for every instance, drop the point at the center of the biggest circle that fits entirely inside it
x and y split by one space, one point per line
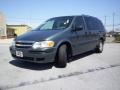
24 58
24 44
40 59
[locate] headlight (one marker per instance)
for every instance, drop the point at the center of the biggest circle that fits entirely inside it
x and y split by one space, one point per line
43 44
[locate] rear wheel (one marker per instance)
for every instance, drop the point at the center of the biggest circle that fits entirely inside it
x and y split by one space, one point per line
99 48
61 60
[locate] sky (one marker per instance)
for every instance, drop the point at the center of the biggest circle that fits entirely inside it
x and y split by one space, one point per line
34 12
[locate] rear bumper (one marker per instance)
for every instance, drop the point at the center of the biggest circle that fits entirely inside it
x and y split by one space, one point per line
45 55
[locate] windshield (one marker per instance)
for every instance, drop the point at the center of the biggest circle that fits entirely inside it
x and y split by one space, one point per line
56 23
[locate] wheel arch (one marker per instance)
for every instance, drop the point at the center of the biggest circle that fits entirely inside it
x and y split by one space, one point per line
102 39
69 47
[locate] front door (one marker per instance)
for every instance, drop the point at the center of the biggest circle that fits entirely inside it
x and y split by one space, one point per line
78 37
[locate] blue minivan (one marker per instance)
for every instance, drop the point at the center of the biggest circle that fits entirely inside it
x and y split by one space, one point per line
60 38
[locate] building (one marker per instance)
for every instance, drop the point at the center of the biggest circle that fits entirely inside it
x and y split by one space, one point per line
7 31
16 30
3 32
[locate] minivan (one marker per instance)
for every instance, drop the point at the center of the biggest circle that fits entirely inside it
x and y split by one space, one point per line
60 38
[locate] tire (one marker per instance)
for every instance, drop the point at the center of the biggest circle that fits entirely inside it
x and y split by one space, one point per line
99 48
62 57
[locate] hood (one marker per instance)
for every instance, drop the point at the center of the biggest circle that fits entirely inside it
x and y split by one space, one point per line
37 35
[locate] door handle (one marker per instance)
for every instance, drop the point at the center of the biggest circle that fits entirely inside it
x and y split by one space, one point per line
85 33
90 33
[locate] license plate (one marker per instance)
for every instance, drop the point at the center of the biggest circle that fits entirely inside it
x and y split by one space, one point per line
19 53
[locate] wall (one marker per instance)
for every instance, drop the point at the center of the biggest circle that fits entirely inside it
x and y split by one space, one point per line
19 29
2 26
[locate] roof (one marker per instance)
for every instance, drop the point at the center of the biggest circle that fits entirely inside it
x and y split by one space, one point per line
76 16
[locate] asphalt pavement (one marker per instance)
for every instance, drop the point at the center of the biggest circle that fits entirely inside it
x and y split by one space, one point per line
86 71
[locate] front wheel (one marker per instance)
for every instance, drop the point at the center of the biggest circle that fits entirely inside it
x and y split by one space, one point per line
62 56
99 48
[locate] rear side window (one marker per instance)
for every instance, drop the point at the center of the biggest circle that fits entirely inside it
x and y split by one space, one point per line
79 21
93 23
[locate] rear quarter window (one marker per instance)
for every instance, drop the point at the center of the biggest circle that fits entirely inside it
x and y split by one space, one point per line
93 23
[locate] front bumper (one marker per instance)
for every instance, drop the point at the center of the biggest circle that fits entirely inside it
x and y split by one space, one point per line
44 55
